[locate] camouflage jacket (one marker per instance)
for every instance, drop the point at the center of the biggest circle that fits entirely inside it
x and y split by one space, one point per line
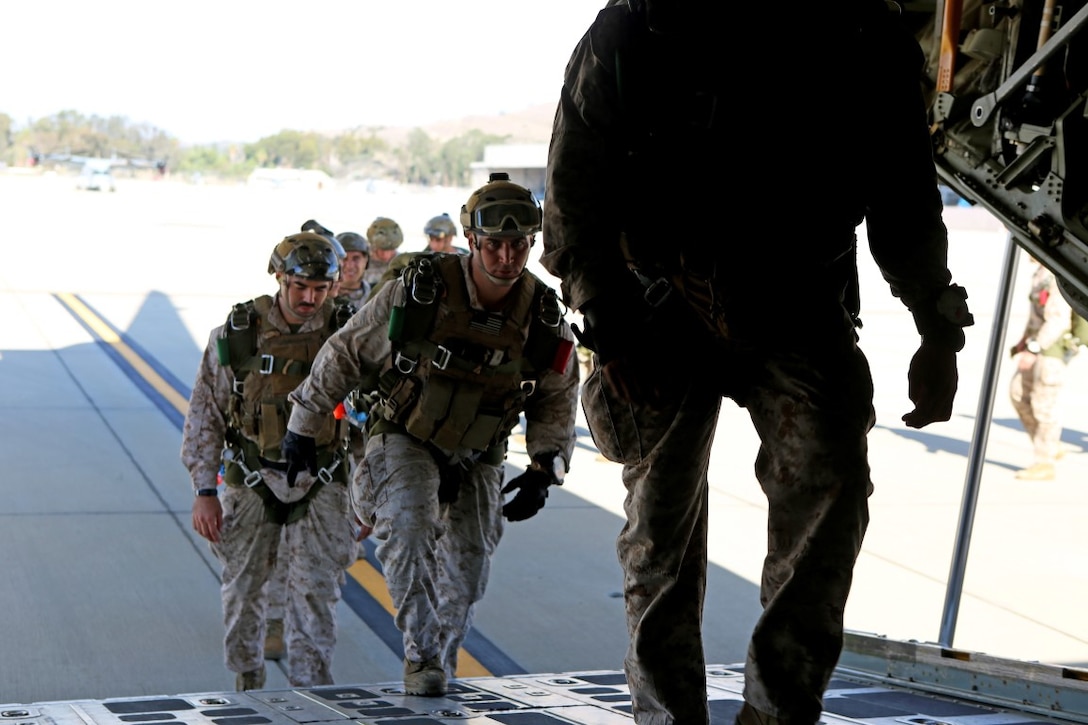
764 182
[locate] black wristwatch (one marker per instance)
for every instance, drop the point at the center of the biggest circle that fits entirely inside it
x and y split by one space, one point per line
207 492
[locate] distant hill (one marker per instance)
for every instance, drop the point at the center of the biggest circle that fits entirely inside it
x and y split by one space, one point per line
531 125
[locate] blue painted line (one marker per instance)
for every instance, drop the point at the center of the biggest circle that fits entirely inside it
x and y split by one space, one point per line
172 414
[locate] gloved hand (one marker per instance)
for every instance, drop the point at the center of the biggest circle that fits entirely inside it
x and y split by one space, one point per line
532 486
532 492
300 453
932 381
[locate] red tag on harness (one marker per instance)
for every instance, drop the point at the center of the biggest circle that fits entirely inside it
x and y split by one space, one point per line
339 412
562 355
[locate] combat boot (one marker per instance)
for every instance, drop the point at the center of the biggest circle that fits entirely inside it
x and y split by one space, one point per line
274 648
748 715
253 680
424 678
1038 472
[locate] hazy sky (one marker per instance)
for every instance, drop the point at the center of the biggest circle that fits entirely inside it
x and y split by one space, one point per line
239 70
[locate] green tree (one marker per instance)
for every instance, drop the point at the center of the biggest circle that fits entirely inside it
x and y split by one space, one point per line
417 158
456 156
7 138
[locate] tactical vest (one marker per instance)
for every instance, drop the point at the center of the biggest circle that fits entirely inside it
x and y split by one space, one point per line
267 365
459 377
1069 344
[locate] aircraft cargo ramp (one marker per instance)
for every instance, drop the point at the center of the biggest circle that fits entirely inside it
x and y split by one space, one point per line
912 683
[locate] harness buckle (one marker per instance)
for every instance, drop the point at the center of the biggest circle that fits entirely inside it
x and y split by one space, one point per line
267 361
441 358
659 291
238 386
424 289
550 313
239 317
528 386
325 474
252 478
404 364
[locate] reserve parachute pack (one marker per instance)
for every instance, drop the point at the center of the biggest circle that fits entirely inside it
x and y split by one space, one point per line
460 379
1071 342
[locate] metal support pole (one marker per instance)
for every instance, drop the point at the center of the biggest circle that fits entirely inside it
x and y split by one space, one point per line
977 452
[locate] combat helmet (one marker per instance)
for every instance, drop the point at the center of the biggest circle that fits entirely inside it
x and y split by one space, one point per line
440 226
308 255
384 234
353 242
501 208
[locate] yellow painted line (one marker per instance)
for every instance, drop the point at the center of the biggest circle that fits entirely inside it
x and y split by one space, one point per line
371 580
165 389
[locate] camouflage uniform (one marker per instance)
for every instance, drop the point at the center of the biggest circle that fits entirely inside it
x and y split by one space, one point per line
375 268
355 296
1036 392
435 556
313 551
755 312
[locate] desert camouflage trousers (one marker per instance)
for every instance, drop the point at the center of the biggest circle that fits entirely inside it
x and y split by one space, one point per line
1036 397
275 589
312 554
436 558
812 413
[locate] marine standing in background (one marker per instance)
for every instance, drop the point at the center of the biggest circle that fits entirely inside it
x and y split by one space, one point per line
441 231
384 237
456 349
237 416
1042 358
684 302
353 286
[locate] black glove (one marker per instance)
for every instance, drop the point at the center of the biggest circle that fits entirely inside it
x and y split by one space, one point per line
532 492
300 453
531 487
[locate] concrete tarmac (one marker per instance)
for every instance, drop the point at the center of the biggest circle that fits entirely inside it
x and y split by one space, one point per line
107 592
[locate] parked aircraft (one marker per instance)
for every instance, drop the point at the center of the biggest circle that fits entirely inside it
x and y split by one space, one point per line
96 173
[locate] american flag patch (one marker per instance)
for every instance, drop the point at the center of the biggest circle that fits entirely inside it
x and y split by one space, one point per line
486 322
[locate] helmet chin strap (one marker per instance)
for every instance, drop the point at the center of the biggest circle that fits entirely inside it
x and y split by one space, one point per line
500 282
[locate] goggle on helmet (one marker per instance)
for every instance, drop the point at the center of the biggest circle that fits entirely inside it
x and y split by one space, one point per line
306 255
501 208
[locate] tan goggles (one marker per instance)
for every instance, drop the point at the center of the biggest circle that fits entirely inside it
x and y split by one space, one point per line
499 216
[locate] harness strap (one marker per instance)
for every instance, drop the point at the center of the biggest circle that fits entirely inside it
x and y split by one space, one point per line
269 364
493 456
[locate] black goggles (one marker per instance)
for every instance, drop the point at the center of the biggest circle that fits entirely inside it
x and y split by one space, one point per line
302 261
500 216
